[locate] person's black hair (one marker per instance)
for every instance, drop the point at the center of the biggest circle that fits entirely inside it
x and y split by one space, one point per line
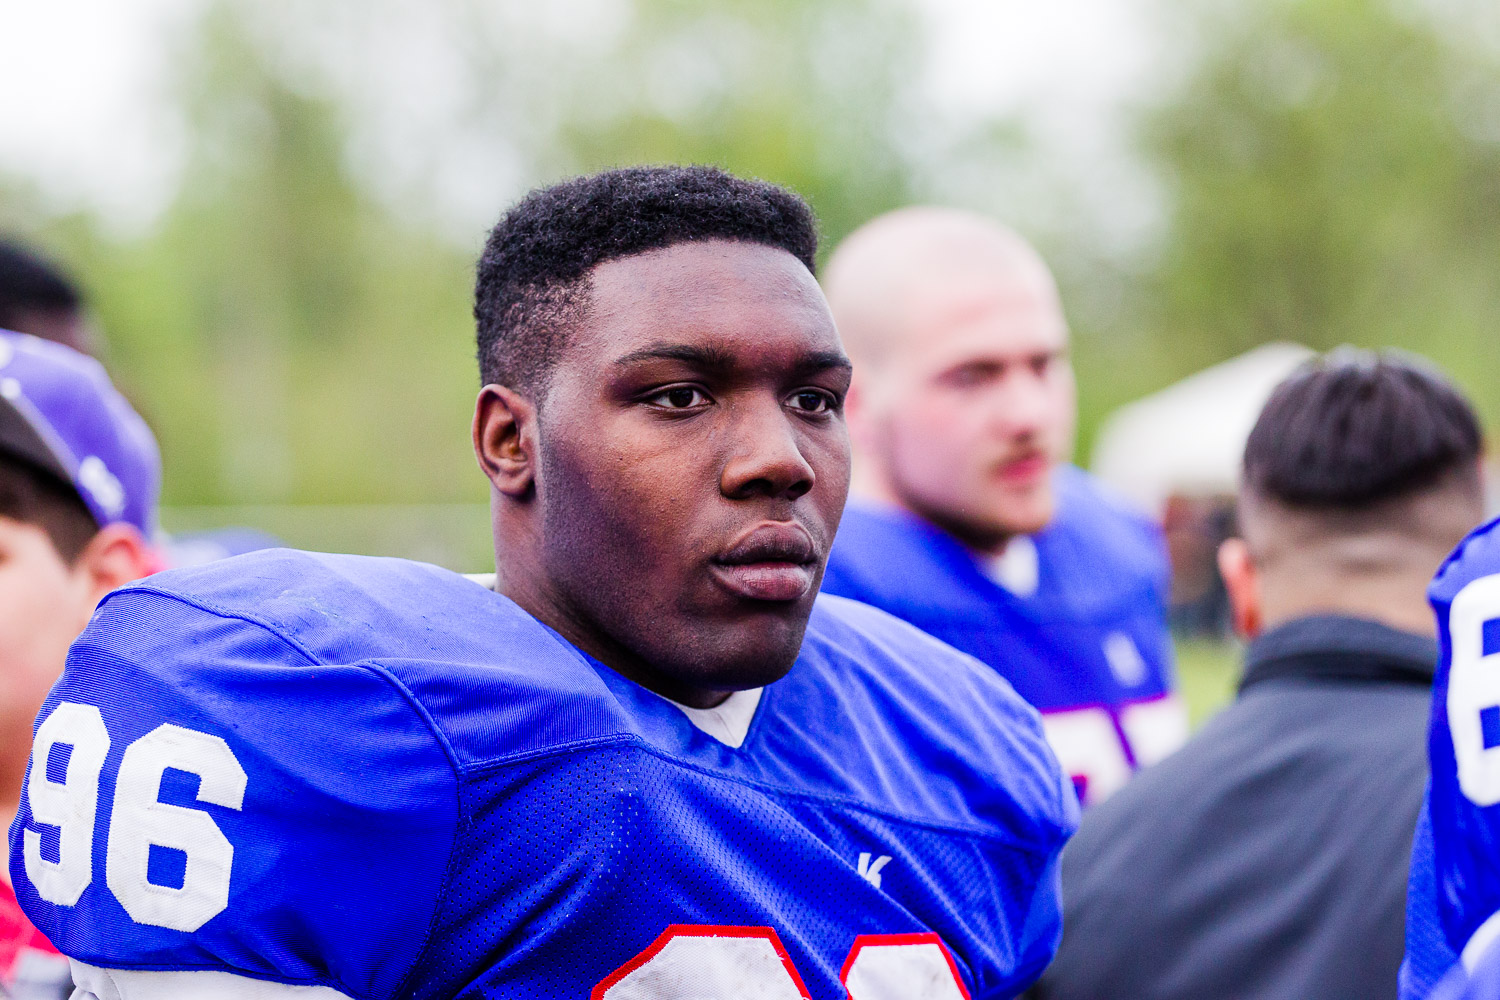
28 283
32 495
533 275
1355 427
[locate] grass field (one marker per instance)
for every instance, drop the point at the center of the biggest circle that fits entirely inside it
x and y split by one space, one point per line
1207 672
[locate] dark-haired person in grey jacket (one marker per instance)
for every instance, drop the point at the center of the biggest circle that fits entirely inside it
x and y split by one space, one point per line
1268 857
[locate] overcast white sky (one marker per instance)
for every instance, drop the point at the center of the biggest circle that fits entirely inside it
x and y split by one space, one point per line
78 78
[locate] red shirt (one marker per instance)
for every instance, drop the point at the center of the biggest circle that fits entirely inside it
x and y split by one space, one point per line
29 965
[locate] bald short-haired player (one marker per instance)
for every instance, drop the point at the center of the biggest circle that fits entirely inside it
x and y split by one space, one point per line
655 765
968 522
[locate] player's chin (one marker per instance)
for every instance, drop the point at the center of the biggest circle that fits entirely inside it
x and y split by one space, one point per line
752 650
1022 512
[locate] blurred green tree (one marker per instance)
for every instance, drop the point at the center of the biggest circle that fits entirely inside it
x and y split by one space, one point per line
289 339
296 336
812 94
1333 176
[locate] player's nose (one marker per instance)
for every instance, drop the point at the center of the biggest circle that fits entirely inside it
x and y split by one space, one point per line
1021 405
764 457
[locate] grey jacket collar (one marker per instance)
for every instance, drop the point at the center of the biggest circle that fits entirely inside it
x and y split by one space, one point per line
1339 648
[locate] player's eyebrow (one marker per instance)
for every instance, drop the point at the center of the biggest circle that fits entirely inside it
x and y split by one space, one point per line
820 361
697 355
709 358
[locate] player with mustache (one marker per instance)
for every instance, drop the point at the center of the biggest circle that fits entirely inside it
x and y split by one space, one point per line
970 523
654 764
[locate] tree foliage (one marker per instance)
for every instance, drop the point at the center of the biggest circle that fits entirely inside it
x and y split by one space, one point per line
297 326
1334 177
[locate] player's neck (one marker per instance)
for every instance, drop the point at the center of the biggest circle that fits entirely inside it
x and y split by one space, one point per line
985 541
530 594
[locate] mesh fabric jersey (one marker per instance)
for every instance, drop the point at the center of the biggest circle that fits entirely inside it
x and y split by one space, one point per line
375 777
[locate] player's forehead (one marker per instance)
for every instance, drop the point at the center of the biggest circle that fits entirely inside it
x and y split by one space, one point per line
756 301
971 318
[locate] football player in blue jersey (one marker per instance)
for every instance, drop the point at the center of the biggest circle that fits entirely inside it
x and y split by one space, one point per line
1453 902
970 524
1473 979
653 764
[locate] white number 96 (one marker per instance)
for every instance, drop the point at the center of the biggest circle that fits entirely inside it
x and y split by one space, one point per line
138 819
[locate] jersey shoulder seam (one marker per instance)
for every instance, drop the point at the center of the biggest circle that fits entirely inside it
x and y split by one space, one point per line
412 702
458 813
218 612
480 769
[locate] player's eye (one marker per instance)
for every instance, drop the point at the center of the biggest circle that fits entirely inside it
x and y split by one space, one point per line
679 397
973 376
813 401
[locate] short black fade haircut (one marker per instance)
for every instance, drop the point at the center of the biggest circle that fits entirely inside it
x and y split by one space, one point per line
32 495
532 284
1355 428
30 283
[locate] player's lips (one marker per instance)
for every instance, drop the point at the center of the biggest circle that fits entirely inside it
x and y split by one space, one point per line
775 561
1023 470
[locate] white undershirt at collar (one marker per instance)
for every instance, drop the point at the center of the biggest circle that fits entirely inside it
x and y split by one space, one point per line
1017 567
729 720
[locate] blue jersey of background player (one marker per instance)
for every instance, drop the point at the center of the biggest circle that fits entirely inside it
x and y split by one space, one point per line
962 412
1453 908
650 766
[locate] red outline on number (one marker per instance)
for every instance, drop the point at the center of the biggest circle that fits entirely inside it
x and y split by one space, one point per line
923 937
712 930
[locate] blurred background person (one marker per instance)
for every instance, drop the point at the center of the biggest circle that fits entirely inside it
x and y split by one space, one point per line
969 522
79 478
1268 857
36 297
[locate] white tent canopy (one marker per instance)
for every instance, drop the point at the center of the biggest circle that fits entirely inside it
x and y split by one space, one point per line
1188 439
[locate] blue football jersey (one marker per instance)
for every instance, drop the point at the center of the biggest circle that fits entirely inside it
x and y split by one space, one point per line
1088 646
1454 886
1479 982
375 779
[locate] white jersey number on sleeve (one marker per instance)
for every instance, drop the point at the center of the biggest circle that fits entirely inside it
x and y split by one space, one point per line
72 740
138 819
1474 688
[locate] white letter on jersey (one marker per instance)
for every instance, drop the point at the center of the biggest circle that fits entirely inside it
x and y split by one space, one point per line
870 872
1474 689
901 967
139 820
70 806
690 962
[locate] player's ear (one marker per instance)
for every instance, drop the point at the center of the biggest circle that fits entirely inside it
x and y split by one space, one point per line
504 433
1242 582
116 555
